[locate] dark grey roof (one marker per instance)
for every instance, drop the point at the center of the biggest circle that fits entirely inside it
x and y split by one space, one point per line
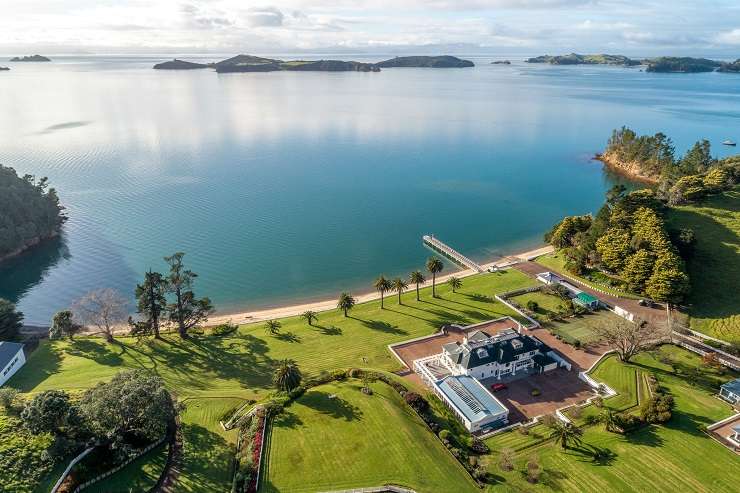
478 336
501 352
8 350
732 386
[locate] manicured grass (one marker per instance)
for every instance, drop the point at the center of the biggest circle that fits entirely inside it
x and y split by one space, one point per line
516 440
141 475
626 380
556 262
241 365
547 303
584 327
714 269
677 456
208 450
351 440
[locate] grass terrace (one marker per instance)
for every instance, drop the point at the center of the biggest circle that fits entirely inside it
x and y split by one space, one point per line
582 328
336 437
141 475
714 305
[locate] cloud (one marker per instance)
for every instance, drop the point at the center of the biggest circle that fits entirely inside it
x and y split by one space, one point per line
265 17
728 37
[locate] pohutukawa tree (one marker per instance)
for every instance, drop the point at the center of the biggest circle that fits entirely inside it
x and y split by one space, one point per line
399 286
382 285
11 320
417 278
287 375
186 311
434 266
310 316
346 303
455 283
150 304
628 339
102 308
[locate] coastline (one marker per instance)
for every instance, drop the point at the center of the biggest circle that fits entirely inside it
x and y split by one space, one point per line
245 317
628 170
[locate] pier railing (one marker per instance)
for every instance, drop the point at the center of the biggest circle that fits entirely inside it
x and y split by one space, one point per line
451 253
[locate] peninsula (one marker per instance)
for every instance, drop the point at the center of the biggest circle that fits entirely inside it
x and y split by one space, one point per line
4 69
32 58
179 65
501 62
576 59
444 61
732 67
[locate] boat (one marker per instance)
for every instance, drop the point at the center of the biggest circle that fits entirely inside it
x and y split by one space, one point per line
729 143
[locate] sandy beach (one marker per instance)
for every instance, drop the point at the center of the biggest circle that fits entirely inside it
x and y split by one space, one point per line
319 306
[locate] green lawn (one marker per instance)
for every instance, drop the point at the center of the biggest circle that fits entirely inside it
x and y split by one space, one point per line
208 450
582 328
241 365
715 266
547 303
354 440
556 262
626 380
141 475
675 457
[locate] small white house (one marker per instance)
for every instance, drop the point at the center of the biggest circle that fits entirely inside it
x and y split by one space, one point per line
11 360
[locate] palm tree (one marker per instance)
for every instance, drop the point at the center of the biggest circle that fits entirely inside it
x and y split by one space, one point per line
310 316
287 375
399 286
434 266
346 303
455 283
272 327
610 420
417 278
382 285
566 432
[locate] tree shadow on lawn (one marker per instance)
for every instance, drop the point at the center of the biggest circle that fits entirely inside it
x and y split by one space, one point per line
287 337
207 455
553 479
382 326
97 350
45 361
335 406
331 330
287 419
647 436
479 298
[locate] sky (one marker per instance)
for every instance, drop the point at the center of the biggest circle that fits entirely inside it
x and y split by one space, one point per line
631 27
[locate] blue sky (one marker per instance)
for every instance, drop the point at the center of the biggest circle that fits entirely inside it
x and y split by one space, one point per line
648 27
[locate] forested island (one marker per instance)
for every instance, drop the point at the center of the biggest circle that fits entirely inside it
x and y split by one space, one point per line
4 69
179 65
29 212
576 59
445 61
681 65
731 67
31 58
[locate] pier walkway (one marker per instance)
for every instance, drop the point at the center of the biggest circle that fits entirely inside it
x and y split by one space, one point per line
451 253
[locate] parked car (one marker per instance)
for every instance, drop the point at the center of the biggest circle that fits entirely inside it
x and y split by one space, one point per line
498 386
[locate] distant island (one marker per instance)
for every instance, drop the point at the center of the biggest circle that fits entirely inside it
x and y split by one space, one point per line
32 58
179 65
733 67
501 62
29 212
445 61
576 59
3 69
681 65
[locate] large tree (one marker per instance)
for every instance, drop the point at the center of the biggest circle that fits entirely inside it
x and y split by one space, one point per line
346 303
638 270
614 247
102 308
287 375
187 311
63 324
11 320
133 407
434 266
150 304
628 339
310 316
382 285
417 278
669 282
48 412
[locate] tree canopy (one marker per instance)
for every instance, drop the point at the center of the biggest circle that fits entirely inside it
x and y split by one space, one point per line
11 320
29 211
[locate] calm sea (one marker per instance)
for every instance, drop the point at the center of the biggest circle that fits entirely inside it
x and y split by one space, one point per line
285 187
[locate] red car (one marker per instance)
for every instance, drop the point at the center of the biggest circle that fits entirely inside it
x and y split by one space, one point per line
498 386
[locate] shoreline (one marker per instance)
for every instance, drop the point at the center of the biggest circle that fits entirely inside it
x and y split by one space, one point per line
245 317
628 170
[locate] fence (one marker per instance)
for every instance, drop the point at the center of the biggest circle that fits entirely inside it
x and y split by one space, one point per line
533 323
389 488
69 468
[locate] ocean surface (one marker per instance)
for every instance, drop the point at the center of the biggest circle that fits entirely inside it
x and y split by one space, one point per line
286 187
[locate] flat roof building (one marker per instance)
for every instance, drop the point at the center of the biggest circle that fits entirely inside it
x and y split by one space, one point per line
730 391
12 358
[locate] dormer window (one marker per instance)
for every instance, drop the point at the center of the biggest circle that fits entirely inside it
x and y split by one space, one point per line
517 344
481 352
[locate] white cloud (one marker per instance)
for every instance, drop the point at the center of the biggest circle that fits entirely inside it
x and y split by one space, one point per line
729 37
264 17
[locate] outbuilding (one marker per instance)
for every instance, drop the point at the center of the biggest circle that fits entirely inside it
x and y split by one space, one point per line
730 391
469 400
12 358
586 301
